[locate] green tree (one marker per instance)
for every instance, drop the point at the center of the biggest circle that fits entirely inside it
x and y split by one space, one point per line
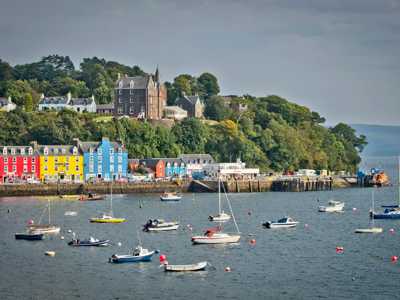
28 102
216 110
208 84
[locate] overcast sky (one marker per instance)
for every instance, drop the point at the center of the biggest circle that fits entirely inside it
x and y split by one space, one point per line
339 57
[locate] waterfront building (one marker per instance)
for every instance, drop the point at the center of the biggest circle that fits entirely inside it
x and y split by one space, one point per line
174 167
192 104
19 163
60 163
104 160
142 97
6 104
154 164
175 113
195 163
67 102
235 170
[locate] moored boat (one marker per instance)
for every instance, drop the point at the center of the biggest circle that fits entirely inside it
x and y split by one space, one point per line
29 236
186 268
108 218
91 197
139 254
388 213
44 229
90 242
221 217
160 225
170 196
286 222
333 206
371 229
215 236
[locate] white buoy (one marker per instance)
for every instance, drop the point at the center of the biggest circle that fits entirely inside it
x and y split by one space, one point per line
119 244
62 237
69 231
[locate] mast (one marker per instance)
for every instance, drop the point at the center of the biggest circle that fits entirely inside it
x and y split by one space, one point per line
49 213
373 206
111 200
219 194
231 210
398 179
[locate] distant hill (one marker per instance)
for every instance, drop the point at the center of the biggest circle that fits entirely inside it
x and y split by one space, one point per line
382 140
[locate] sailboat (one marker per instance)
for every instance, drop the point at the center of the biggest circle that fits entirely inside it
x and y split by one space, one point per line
372 229
216 235
392 211
44 228
221 216
108 218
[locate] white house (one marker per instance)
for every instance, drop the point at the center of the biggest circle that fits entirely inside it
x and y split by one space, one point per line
175 112
67 102
6 104
231 170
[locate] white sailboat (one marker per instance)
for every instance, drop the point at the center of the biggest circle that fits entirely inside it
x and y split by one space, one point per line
372 229
221 216
44 228
108 218
216 235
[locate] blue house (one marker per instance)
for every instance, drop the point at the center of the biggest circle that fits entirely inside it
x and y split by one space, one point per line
174 167
104 160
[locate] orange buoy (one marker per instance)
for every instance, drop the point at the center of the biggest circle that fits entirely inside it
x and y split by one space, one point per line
227 269
395 258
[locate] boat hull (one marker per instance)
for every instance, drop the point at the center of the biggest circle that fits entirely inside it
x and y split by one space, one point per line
29 236
164 228
272 225
186 268
44 230
114 220
386 216
215 240
219 219
89 243
175 198
118 259
369 230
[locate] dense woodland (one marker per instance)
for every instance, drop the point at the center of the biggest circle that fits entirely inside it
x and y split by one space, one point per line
273 133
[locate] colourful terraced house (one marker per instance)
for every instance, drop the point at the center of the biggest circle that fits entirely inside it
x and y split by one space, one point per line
60 163
104 160
18 163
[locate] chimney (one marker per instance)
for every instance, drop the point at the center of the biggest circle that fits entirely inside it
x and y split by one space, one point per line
76 142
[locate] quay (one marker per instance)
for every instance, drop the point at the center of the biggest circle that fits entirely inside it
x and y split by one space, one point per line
266 184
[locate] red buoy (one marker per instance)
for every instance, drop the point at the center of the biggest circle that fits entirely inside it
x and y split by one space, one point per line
252 241
339 249
163 258
395 258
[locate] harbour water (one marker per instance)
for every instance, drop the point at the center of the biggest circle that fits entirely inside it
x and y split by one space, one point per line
299 263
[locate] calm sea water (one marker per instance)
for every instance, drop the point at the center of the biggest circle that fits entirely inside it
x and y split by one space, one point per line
283 264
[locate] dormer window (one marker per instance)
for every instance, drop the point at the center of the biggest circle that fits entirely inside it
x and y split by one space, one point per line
131 84
22 150
121 84
75 150
55 150
5 151
99 152
119 92
12 151
63 150
30 151
120 150
46 151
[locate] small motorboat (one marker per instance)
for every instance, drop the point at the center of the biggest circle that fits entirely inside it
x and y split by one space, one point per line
90 242
45 229
91 197
29 236
388 213
170 197
285 222
160 225
139 254
185 268
215 236
221 217
104 218
333 206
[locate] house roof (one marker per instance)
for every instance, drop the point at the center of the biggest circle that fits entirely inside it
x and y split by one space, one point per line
85 146
105 106
150 162
175 109
59 100
18 150
57 149
82 101
187 158
139 82
191 99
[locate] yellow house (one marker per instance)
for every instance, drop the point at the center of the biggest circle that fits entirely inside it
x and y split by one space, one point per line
60 163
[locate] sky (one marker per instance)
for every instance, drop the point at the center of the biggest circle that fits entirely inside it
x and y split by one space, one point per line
340 58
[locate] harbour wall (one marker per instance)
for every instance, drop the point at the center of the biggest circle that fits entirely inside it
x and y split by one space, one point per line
194 186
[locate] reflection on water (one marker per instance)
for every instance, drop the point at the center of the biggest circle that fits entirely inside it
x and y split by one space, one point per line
295 263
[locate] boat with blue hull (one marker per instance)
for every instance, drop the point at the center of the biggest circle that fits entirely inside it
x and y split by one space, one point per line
29 236
139 255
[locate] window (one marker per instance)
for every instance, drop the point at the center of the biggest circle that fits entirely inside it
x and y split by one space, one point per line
22 151
63 150
33 168
112 158
46 159
75 150
12 151
119 92
112 168
111 151
5 151
5 169
99 151
30 151
14 160
119 169
56 159
77 168
56 168
119 99
120 150
131 110
130 99
119 159
6 160
91 150
14 168
33 160
120 110
25 160
46 151
130 92
99 169
25 169
45 168
77 159
131 84
55 150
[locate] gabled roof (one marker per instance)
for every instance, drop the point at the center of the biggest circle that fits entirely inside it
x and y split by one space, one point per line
105 106
59 100
191 99
150 162
57 149
139 82
188 158
17 150
85 146
82 101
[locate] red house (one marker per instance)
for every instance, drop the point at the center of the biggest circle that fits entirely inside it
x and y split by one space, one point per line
155 164
18 163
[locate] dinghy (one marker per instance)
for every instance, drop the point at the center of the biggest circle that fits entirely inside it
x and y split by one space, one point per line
90 242
170 197
333 206
160 225
139 255
286 222
29 236
186 268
